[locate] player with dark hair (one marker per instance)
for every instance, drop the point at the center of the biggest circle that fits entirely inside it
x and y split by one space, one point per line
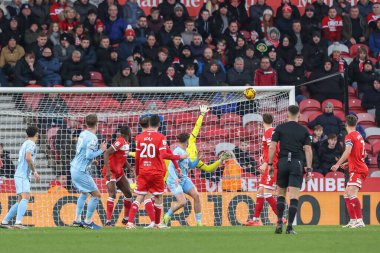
295 144
355 153
25 168
267 183
151 150
115 159
86 151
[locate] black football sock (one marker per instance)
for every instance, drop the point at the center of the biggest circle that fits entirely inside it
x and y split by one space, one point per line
280 208
293 208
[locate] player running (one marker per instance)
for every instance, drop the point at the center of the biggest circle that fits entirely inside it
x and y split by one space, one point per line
267 183
178 185
355 153
86 151
25 168
115 159
151 149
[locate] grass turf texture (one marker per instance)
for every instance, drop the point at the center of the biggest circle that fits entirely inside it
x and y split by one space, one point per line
191 239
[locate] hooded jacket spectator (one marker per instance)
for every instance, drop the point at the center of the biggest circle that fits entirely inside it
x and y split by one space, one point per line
167 8
321 9
40 12
330 123
330 88
314 52
309 22
364 9
286 52
24 74
125 77
219 22
365 77
50 69
238 12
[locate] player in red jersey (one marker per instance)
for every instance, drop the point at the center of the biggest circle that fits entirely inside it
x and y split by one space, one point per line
151 150
267 183
115 160
355 153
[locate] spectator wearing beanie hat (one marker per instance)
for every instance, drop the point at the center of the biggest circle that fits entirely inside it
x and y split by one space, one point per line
13 29
99 32
330 123
167 8
25 18
285 21
64 49
185 59
295 13
275 61
129 43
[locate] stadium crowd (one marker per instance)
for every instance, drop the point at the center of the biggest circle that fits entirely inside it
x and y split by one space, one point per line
62 44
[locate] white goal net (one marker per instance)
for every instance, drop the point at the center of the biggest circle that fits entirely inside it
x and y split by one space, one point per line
233 124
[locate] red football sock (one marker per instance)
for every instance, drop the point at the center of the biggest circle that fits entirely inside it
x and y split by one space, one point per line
259 206
110 205
149 209
158 210
350 209
273 203
127 206
357 207
133 211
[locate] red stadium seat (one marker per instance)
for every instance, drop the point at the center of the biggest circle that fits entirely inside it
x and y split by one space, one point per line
373 133
176 103
186 118
310 105
376 149
304 119
336 174
368 148
337 104
314 116
238 133
216 134
33 86
154 105
211 119
32 101
197 103
354 49
351 91
340 115
96 77
110 105
366 120
50 136
230 119
132 105
373 60
355 105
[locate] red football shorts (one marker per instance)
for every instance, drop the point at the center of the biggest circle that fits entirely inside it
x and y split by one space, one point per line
356 179
153 183
267 181
117 174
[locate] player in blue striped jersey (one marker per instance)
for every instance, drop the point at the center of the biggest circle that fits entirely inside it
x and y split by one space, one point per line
86 151
25 169
180 185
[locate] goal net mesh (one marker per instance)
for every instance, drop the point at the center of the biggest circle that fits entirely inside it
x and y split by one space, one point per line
233 124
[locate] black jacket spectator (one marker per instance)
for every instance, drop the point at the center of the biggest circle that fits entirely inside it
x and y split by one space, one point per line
328 88
7 169
147 79
125 77
239 12
328 156
88 55
365 77
24 75
13 30
309 23
83 7
331 124
103 10
355 28
41 12
371 98
286 50
70 68
295 11
238 75
287 76
170 81
164 37
167 8
203 27
213 76
110 68
321 9
217 25
314 52
150 52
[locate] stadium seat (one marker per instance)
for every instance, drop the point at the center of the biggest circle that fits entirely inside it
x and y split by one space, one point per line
186 117
354 49
310 105
336 174
197 103
230 119
211 119
341 115
314 116
316 175
375 174
33 86
252 117
304 119
154 105
32 101
96 77
372 133
110 105
239 133
366 120
376 149
338 106
50 136
176 103
217 133
355 105
132 105
206 147
351 91
368 148
106 130
373 60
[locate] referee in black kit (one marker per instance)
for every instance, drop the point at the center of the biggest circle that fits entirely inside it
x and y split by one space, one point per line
295 144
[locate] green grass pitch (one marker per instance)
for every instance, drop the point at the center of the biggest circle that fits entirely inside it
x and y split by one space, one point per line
191 239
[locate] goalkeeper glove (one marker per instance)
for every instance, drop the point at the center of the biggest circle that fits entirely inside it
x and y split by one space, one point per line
204 109
225 156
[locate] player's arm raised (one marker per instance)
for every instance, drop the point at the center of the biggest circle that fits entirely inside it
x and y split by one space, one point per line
29 160
343 158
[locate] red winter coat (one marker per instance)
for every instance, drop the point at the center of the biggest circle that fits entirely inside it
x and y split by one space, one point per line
265 77
55 10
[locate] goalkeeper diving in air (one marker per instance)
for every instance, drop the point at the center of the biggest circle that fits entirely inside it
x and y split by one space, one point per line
180 185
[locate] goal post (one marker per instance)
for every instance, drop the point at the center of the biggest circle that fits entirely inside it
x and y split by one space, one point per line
233 124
